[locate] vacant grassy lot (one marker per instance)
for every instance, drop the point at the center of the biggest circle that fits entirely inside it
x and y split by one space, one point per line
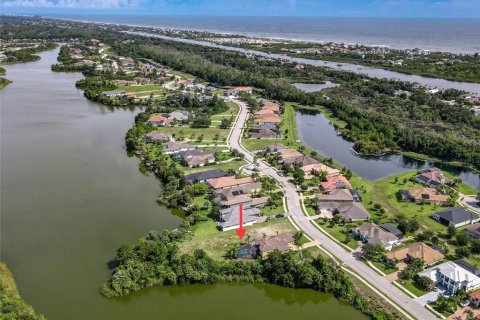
339 232
216 243
235 165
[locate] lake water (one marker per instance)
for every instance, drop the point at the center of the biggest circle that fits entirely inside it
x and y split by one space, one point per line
313 87
319 134
454 35
71 196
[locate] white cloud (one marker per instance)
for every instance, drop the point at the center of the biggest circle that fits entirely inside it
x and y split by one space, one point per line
71 4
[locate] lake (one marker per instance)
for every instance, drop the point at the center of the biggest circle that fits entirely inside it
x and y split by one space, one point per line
71 196
319 134
313 87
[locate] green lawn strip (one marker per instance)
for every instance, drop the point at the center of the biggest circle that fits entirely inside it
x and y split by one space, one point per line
272 210
339 232
462 187
140 88
235 165
194 133
412 287
383 268
311 211
259 144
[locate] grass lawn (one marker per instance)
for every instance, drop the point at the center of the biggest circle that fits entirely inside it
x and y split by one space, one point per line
384 192
193 134
412 287
271 210
259 144
339 233
140 88
311 211
216 243
235 165
383 268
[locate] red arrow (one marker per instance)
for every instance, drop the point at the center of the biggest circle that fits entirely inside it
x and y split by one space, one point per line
240 230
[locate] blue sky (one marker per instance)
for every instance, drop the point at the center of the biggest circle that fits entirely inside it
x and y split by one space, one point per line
329 8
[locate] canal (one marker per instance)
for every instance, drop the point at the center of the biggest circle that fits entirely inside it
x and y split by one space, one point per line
71 196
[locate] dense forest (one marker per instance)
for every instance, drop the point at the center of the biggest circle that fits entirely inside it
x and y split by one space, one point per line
11 304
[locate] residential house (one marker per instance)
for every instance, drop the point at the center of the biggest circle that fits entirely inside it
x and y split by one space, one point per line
187 83
203 176
467 266
262 112
373 234
243 199
173 147
315 169
228 182
452 277
125 82
127 62
196 158
235 92
267 118
336 182
114 93
457 217
427 195
341 203
266 126
229 193
432 177
290 156
417 250
264 134
160 121
391 228
155 136
474 298
142 80
474 230
282 242
230 217
269 105
179 115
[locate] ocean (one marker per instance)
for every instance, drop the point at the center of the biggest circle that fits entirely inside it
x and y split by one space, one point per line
453 35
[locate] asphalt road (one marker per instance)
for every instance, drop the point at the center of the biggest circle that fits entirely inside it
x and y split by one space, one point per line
293 203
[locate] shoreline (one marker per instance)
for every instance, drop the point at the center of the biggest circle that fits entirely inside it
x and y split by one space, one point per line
253 35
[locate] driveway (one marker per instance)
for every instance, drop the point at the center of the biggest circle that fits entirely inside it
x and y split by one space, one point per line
429 297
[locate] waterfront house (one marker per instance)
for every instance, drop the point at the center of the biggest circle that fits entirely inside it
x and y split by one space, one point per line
457 217
173 147
373 234
417 250
336 182
432 177
266 126
276 147
427 195
264 134
203 176
125 82
196 158
141 80
348 210
315 169
267 118
336 195
228 182
282 242
160 121
262 112
289 156
155 136
452 276
179 115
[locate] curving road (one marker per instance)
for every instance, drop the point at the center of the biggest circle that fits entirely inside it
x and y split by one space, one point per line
293 202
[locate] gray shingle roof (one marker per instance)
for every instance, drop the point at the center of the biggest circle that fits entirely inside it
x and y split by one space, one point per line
456 215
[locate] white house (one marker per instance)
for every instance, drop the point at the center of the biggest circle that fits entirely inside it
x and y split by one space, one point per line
452 277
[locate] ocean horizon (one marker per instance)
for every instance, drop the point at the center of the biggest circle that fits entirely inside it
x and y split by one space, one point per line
435 34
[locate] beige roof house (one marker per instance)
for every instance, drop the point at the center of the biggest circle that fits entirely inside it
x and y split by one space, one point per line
417 250
427 195
226 182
